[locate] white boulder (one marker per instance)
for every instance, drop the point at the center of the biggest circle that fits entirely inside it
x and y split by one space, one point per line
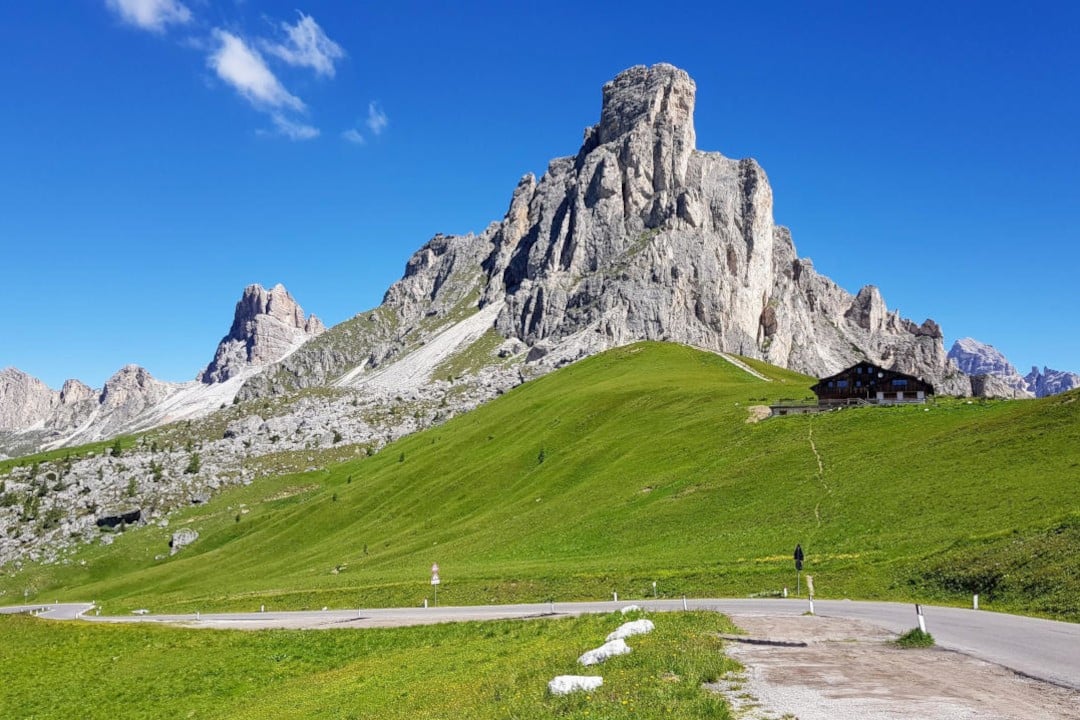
605 651
637 627
566 684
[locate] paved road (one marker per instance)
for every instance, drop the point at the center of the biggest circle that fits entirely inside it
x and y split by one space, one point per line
1042 649
53 611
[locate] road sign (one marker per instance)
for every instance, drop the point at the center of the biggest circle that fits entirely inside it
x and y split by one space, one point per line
798 557
435 574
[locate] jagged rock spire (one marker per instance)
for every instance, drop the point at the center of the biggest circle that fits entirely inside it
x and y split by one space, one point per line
267 326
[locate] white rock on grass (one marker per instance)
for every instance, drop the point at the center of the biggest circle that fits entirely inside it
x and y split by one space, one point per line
605 651
637 627
566 684
630 608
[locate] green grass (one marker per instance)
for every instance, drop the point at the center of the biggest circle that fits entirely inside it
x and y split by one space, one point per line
650 472
468 670
915 638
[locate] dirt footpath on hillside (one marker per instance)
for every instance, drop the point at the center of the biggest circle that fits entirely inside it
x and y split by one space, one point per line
848 669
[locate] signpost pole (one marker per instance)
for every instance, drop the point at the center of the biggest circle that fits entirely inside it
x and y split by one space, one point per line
435 582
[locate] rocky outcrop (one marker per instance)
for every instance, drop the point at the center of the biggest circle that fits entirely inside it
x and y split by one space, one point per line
131 391
992 374
24 400
267 326
1051 382
181 539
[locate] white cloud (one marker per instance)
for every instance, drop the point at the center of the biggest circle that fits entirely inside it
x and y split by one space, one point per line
150 14
293 130
376 118
307 46
243 68
353 136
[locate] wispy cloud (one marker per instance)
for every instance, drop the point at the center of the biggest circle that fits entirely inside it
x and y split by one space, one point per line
293 130
376 118
151 15
242 67
353 136
307 46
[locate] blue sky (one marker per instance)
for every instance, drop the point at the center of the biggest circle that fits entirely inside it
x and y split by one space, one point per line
156 156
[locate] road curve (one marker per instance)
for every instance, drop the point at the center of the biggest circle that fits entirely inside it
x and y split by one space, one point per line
52 611
1046 650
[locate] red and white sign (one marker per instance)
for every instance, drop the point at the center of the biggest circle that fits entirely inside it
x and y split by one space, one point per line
435 574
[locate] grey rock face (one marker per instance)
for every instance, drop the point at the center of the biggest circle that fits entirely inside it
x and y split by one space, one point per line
24 400
131 391
641 236
33 410
267 325
1051 382
181 539
992 374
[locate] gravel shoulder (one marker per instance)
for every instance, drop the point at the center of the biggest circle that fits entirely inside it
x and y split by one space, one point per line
849 669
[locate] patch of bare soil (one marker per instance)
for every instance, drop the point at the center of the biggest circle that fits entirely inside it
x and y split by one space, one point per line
850 669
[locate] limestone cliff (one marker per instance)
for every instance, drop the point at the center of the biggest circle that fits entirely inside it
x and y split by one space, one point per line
267 326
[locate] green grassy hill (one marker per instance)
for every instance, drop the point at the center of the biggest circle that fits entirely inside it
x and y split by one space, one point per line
630 467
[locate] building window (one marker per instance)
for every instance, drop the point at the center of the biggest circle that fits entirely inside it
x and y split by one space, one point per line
899 382
841 383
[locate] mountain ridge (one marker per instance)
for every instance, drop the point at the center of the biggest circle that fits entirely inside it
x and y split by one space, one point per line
267 325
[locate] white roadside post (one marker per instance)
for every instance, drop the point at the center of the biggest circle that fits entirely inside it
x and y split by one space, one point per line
654 589
975 602
810 591
435 581
922 620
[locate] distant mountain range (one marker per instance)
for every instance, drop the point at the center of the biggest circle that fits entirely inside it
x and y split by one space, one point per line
267 326
994 376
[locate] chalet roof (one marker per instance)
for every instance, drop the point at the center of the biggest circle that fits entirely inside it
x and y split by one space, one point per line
870 368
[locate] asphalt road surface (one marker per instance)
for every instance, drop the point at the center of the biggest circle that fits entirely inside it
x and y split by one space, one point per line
1046 650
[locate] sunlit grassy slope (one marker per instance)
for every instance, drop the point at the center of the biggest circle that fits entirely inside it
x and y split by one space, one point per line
469 670
633 466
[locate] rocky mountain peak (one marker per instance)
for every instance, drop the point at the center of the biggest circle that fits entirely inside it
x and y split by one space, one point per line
657 101
24 399
998 377
267 325
132 389
1051 382
257 300
75 392
868 310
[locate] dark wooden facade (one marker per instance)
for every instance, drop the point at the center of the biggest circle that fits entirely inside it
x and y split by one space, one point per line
867 382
